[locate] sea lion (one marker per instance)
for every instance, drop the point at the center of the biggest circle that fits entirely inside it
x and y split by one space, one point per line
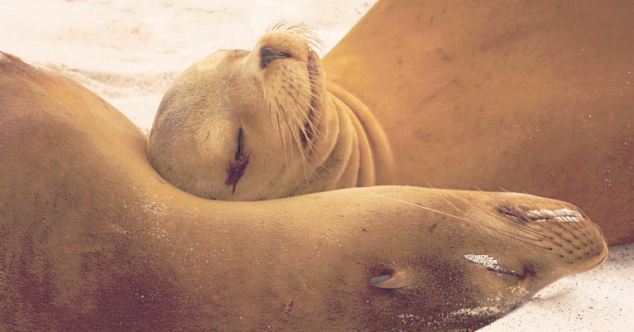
526 96
264 124
93 238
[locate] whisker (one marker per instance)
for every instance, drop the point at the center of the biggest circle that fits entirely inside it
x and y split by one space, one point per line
507 233
505 220
282 131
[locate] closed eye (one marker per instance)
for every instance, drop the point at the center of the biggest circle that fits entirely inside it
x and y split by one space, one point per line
240 148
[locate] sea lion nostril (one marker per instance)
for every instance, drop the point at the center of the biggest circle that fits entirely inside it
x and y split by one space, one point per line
267 55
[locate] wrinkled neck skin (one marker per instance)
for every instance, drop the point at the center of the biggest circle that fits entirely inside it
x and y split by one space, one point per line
352 151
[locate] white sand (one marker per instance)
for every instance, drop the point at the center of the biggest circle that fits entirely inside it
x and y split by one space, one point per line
129 52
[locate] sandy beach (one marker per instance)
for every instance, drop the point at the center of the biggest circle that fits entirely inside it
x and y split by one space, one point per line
129 53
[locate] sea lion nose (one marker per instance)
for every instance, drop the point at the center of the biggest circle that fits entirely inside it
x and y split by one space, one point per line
267 55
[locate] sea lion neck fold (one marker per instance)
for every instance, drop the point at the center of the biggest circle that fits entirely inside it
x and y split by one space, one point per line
265 124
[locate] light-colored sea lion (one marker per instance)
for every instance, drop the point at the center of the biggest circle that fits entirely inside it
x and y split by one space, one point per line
92 238
242 125
526 96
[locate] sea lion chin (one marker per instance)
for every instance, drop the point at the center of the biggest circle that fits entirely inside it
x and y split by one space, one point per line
265 124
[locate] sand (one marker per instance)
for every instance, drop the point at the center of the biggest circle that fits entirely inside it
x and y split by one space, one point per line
129 52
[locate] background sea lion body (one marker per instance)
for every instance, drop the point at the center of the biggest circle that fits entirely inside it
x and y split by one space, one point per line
93 238
242 125
526 96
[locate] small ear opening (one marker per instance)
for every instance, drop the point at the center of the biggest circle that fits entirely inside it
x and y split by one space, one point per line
392 280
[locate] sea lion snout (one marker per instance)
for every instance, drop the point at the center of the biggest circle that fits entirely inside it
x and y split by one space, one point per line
560 228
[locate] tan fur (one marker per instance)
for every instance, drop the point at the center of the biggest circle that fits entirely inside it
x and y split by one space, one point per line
297 137
92 238
526 96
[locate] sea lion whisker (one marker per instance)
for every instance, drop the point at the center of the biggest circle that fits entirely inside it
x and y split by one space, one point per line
275 112
302 126
302 30
426 208
450 203
284 121
306 104
282 136
504 219
303 104
276 26
478 208
306 95
308 98
304 85
297 141
515 225
523 239
450 215
302 94
298 121
311 152
317 46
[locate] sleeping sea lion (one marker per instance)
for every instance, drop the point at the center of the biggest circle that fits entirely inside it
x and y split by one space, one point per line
264 124
526 96
93 238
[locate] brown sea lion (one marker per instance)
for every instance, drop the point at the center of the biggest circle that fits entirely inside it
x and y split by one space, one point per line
93 238
242 125
526 96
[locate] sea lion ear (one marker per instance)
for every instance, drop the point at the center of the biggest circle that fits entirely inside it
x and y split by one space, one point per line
393 280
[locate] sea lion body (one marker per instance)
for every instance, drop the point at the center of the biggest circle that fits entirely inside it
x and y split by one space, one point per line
94 238
263 124
529 97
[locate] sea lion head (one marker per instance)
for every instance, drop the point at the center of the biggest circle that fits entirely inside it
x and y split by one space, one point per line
243 125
